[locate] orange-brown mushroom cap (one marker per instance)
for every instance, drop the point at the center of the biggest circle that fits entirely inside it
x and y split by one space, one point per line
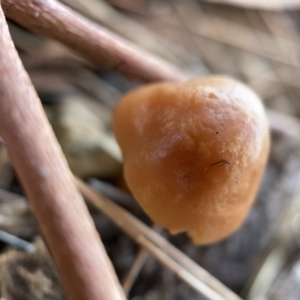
194 153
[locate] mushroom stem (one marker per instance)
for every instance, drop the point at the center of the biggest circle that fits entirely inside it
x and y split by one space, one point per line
63 217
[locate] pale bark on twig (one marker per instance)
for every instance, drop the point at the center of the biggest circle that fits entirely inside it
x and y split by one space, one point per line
100 46
104 14
59 208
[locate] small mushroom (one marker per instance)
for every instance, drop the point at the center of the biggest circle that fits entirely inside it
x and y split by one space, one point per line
194 153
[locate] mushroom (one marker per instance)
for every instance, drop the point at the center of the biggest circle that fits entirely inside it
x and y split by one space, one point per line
194 153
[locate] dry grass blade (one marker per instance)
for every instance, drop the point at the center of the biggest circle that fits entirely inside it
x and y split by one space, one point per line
254 17
98 45
243 38
284 123
134 271
181 272
183 266
283 246
268 5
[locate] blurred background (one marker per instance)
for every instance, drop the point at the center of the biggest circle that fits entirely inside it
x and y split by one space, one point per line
255 41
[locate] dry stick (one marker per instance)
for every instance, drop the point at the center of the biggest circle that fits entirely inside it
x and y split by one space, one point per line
59 208
182 265
103 13
100 46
